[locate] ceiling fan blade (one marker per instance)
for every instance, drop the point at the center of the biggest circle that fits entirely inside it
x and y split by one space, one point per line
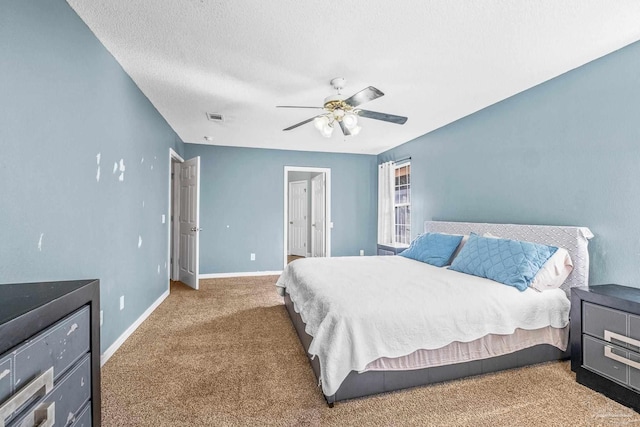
365 95
382 116
301 123
345 131
294 106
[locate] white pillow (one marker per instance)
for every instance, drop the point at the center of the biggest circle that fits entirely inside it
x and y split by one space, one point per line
554 272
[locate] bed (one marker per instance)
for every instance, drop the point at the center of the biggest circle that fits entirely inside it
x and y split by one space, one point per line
367 331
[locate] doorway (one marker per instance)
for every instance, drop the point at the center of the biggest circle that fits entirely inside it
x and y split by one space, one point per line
184 219
307 212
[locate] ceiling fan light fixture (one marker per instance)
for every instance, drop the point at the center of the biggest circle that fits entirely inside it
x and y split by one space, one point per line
350 120
345 111
355 130
320 122
327 130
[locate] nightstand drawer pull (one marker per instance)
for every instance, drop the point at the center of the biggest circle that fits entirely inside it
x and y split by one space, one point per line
42 384
608 335
611 355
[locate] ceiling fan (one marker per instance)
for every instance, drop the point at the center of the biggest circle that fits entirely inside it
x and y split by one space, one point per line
345 112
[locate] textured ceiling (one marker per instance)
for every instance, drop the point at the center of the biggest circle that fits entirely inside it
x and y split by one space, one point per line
435 60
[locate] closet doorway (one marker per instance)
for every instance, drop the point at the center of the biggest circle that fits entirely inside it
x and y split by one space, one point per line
307 212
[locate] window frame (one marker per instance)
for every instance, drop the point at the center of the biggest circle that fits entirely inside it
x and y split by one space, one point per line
398 237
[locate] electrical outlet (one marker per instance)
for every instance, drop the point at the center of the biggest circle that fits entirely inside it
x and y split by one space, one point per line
122 302
163 218
101 317
361 252
253 257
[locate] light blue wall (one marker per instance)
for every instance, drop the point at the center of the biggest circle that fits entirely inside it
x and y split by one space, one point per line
242 205
64 100
565 152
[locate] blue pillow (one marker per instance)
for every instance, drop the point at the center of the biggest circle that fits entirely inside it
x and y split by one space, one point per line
512 262
432 248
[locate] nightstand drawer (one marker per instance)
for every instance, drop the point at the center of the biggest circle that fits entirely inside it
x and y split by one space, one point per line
634 331
596 319
595 359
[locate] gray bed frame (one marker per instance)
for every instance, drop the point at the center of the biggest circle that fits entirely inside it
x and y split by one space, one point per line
574 239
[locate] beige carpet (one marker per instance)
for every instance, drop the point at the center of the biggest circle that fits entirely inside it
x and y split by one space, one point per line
228 355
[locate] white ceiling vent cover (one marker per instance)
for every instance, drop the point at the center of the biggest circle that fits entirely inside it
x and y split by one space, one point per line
215 117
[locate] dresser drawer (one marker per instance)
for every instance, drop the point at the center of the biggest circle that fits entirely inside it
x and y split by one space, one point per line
6 367
70 395
84 419
59 346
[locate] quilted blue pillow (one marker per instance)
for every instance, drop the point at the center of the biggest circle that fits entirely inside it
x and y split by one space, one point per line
432 248
512 262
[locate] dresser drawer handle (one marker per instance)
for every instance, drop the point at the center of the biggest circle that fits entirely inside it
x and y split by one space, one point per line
611 355
608 335
44 381
45 414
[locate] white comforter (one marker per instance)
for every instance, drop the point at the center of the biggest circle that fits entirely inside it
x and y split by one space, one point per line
358 309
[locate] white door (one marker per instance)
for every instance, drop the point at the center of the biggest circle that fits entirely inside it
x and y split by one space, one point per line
298 218
189 222
318 216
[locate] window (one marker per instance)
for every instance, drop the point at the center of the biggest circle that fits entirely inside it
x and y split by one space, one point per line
402 204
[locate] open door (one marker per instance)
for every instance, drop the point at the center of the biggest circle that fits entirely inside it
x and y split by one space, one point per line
318 243
298 218
189 220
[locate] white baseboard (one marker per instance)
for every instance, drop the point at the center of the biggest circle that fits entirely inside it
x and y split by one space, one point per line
241 274
122 338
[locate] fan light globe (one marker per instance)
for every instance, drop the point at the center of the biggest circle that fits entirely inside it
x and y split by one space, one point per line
350 120
355 130
327 131
320 122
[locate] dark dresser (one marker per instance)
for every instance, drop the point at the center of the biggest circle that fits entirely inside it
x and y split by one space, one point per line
605 341
50 354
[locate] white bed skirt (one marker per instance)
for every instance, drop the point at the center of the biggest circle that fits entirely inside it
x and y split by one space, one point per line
488 346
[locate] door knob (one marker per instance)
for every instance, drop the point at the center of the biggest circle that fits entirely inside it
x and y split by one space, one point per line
291 222
196 229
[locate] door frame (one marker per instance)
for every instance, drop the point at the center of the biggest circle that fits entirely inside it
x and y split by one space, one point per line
328 226
173 232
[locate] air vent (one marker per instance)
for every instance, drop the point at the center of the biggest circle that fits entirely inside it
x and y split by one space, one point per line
215 117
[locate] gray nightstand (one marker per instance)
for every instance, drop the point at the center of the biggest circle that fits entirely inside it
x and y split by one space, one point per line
605 341
391 249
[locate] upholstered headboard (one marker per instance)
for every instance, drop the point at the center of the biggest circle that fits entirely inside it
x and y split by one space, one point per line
574 239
